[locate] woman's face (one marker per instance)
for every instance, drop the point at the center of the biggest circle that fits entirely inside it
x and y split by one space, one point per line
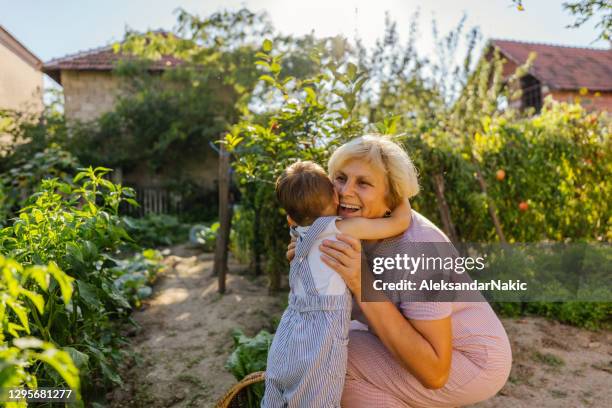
361 189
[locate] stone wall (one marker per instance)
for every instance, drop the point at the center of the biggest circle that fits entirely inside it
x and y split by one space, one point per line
89 94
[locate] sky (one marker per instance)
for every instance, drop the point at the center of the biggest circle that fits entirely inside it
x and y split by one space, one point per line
52 29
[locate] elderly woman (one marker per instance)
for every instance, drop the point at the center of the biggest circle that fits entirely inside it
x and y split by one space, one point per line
420 354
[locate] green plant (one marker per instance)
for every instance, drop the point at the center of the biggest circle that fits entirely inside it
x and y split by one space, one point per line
25 360
134 275
204 235
250 355
76 226
19 181
154 230
316 114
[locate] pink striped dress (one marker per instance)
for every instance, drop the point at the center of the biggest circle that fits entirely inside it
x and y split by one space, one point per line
481 358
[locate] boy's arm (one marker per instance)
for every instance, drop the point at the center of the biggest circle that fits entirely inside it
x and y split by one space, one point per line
378 228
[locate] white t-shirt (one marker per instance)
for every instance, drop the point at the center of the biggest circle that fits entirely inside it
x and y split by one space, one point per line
327 281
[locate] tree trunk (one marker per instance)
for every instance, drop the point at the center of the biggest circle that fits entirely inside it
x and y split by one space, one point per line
220 264
491 206
447 222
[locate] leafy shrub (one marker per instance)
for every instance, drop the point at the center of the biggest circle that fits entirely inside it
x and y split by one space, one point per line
317 114
77 227
250 355
25 360
242 236
204 235
133 276
155 230
19 181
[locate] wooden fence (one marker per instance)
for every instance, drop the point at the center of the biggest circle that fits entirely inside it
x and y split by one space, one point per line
152 199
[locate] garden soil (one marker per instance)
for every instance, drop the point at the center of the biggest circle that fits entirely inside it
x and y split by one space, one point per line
185 338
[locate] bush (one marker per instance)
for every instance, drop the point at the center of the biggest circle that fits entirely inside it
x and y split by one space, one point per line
250 355
19 181
133 276
75 225
155 230
204 236
557 163
25 360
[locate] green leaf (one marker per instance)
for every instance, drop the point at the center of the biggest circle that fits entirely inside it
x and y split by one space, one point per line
79 176
359 84
62 363
64 281
267 45
81 360
132 202
74 250
88 293
118 297
311 96
21 312
12 284
36 298
268 79
110 373
275 67
351 71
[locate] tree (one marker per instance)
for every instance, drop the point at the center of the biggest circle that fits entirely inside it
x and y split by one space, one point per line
585 10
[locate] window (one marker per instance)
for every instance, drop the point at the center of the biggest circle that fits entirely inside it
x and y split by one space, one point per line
532 93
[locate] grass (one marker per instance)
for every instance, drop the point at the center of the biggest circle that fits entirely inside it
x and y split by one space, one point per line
558 393
190 379
548 359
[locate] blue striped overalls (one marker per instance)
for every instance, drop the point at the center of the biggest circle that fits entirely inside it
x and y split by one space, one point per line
307 360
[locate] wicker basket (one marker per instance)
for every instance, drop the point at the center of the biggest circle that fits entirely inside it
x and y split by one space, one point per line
235 397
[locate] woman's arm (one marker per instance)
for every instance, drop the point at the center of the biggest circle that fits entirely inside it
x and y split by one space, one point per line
378 228
423 347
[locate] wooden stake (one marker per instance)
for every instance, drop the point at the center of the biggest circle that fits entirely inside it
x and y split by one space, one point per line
220 264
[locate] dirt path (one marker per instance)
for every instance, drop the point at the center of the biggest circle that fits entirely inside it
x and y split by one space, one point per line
185 340
555 365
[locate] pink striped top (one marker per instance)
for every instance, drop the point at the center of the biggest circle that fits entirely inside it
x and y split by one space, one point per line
477 332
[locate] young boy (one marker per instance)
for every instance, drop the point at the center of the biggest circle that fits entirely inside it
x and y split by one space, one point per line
307 360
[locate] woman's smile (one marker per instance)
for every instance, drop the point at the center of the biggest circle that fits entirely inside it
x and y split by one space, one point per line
347 210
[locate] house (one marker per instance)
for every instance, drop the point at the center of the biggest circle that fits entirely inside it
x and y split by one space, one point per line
21 78
565 73
21 81
90 88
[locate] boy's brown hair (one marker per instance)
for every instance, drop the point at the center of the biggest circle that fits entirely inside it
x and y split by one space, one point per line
304 191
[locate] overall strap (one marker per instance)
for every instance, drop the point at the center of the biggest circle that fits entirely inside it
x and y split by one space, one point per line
304 243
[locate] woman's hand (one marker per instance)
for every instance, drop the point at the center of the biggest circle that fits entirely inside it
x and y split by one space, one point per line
291 250
344 257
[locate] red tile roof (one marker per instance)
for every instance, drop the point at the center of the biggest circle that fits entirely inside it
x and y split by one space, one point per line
99 59
561 67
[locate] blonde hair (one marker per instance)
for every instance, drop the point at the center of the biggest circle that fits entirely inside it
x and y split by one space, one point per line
386 155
